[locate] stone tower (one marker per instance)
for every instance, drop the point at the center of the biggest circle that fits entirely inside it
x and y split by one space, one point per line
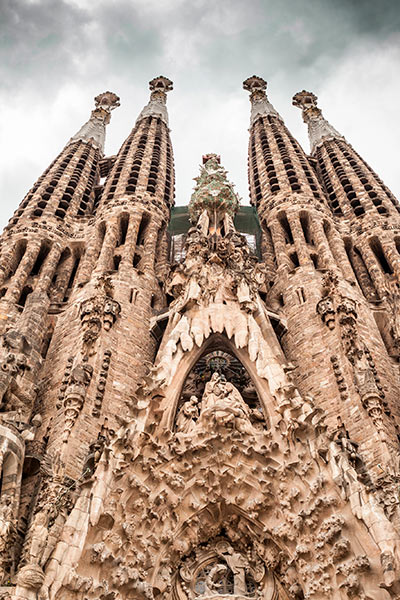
201 402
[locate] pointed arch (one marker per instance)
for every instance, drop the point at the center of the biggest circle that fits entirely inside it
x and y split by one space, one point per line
216 341
197 547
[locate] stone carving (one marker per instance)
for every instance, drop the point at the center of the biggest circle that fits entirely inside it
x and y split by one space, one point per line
101 385
95 450
341 311
364 505
224 571
75 393
223 406
54 502
340 380
98 311
327 312
187 416
238 565
14 360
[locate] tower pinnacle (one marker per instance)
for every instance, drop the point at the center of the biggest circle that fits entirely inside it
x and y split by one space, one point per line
94 130
159 86
260 105
318 127
213 192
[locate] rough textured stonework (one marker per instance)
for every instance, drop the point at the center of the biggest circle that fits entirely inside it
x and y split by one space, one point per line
203 402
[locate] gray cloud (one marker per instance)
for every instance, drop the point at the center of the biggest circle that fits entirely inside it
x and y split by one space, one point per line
58 54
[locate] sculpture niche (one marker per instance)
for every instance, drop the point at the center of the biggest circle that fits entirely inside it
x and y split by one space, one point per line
221 408
221 571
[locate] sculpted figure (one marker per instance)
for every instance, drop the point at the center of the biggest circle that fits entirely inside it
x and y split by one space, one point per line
214 577
187 416
13 361
365 507
112 309
238 565
223 403
326 310
363 375
7 527
39 536
75 394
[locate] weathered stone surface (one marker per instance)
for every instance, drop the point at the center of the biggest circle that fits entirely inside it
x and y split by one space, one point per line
220 425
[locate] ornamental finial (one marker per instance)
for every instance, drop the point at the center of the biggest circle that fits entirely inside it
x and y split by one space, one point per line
94 130
260 105
159 86
213 192
319 129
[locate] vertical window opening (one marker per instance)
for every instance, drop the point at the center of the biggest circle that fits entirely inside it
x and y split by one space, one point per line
295 259
44 250
377 249
286 229
117 260
72 278
142 229
301 295
24 295
306 228
123 226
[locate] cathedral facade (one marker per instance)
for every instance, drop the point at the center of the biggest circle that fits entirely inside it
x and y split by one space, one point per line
201 402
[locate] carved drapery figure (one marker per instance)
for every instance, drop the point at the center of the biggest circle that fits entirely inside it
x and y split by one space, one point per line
75 393
223 403
364 505
14 355
54 502
187 416
238 564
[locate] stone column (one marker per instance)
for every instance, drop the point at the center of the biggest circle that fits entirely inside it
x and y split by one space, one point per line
23 271
48 269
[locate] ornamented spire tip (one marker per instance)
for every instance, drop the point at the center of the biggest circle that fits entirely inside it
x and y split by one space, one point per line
211 155
161 83
107 101
304 100
319 129
260 105
254 83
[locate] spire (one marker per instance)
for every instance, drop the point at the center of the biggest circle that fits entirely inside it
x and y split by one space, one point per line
94 130
260 105
319 129
213 192
159 86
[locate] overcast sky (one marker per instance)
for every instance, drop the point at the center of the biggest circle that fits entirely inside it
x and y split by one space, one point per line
56 55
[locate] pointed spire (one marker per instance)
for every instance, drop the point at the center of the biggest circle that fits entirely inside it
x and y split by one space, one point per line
260 105
319 129
94 130
159 86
